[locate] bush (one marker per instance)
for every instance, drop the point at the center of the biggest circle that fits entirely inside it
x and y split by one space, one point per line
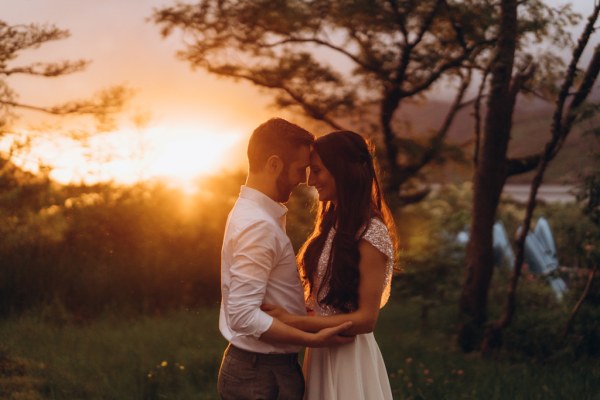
431 257
144 248
77 251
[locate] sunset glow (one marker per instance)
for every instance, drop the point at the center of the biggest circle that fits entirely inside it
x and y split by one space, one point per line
175 153
197 124
181 154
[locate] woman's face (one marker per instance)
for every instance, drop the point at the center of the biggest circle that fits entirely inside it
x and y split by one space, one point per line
321 179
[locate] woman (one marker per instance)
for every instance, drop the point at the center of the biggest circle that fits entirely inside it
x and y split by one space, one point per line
346 265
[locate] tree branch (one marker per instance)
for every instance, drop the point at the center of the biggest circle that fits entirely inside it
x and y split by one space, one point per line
427 21
572 69
525 73
328 45
577 306
106 102
47 110
399 19
559 133
308 108
477 112
47 69
516 166
456 27
413 196
434 76
583 91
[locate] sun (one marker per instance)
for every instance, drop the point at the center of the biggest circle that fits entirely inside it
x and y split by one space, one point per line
175 153
181 154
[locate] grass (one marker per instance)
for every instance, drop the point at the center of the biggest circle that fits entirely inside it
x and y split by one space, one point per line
176 356
423 363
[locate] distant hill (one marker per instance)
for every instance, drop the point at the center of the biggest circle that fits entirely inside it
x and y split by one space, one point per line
531 130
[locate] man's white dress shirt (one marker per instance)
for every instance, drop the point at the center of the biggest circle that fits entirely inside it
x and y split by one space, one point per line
258 266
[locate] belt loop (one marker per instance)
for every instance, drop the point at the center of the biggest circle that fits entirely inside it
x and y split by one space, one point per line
254 360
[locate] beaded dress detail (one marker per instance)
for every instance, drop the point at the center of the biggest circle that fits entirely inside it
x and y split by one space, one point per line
376 234
355 370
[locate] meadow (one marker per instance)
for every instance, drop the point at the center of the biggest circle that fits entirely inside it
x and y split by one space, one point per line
177 355
112 293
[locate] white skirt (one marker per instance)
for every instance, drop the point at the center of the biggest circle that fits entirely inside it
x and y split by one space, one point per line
353 371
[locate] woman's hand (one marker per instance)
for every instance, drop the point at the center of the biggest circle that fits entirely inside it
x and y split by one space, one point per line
334 336
332 333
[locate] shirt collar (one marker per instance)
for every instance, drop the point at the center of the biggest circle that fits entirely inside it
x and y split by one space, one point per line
273 208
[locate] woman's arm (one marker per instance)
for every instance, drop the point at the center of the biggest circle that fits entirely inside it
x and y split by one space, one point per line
279 332
372 268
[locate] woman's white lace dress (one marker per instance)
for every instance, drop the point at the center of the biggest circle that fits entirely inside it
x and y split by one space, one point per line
354 371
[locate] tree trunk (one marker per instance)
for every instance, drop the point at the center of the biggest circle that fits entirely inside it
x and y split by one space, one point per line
561 127
489 178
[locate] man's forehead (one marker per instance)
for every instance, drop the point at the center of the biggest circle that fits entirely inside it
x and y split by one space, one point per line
302 156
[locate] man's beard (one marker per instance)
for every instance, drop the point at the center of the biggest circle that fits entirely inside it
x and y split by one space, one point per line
284 189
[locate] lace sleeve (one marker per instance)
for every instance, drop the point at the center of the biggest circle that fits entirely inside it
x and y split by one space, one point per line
377 234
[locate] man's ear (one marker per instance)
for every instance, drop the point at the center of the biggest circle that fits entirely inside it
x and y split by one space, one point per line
274 165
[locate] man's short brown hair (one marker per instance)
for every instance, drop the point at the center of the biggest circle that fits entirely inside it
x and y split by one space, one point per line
276 137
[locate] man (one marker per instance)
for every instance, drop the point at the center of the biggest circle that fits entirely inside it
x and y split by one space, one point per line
258 266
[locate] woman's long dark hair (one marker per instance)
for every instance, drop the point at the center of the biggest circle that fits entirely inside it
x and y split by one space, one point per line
348 158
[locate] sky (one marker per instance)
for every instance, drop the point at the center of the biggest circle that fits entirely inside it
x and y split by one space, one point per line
196 122
188 110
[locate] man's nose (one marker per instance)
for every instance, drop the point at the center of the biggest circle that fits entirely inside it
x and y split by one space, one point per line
311 180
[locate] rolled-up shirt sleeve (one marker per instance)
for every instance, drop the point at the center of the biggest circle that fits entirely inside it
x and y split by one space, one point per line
254 257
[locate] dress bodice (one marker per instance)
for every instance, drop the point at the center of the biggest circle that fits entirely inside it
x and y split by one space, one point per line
377 235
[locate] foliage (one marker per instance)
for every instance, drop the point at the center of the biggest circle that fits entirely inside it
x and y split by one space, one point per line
433 262
509 77
432 253
589 195
74 253
79 251
16 39
536 333
116 297
574 240
76 119
432 258
144 248
354 63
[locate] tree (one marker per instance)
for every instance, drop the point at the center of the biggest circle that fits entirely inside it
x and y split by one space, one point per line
340 62
352 62
493 166
15 39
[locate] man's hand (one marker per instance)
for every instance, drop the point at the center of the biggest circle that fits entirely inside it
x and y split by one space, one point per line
280 332
332 336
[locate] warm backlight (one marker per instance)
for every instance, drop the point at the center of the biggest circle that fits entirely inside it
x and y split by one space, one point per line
178 154
181 154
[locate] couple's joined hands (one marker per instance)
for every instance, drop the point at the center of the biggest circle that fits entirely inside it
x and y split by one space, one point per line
326 337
